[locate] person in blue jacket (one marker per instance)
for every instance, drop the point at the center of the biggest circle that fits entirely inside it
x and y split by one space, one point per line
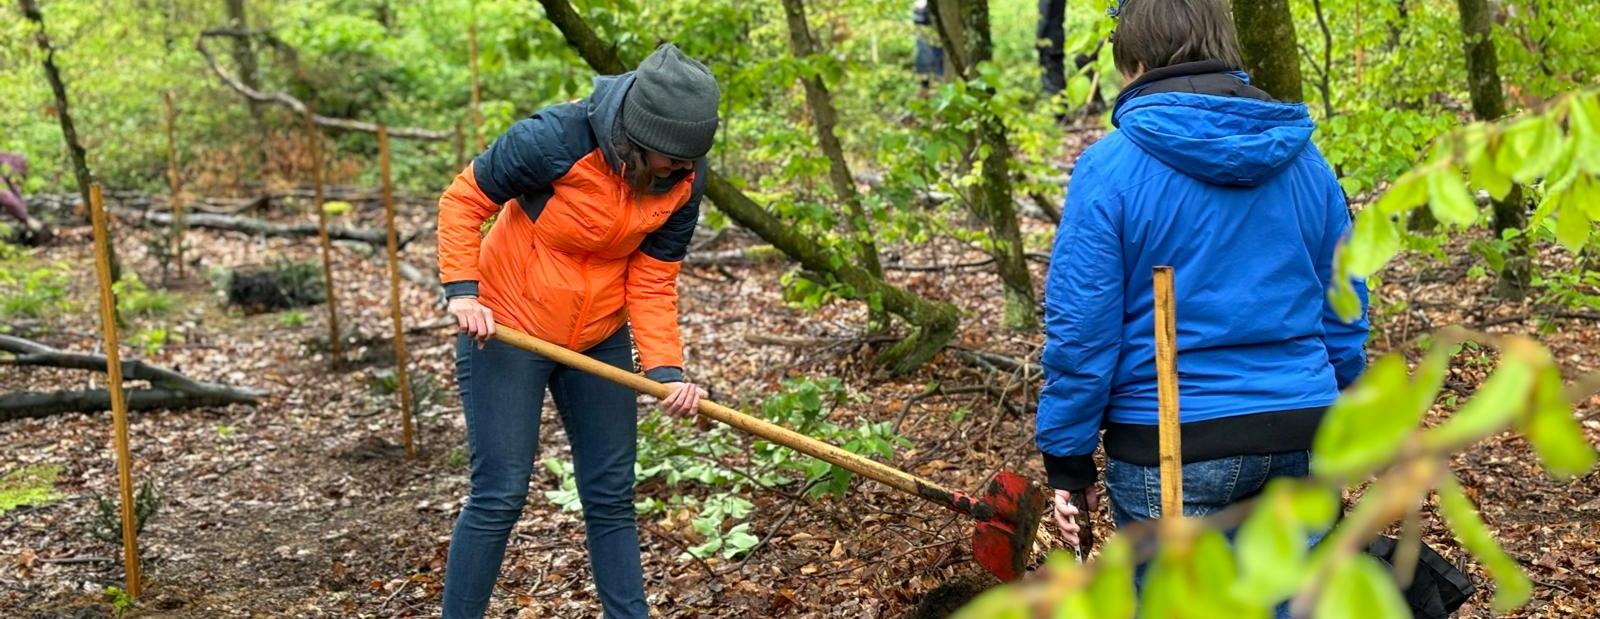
1209 175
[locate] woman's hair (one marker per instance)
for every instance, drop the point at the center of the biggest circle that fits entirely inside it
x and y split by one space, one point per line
1152 34
634 169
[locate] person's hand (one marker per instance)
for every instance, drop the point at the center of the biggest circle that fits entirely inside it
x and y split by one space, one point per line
1067 514
473 319
684 399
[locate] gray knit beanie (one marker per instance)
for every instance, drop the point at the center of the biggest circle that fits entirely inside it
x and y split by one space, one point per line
672 106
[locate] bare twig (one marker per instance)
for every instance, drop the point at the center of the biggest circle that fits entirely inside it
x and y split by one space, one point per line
284 99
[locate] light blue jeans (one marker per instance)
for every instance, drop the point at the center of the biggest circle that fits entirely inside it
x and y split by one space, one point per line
502 389
1209 486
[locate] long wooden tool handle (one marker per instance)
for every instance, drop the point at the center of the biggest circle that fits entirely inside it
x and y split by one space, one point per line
1167 392
895 478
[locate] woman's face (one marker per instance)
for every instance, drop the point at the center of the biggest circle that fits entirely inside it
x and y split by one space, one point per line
663 166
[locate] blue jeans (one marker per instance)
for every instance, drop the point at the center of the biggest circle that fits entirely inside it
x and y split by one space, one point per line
502 389
1209 486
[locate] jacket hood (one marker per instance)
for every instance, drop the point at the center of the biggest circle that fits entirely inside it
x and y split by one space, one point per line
1214 136
604 107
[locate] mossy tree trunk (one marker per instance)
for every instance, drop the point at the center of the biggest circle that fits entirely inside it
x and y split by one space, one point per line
1489 103
1271 50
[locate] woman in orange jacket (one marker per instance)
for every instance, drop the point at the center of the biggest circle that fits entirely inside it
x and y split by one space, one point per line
601 197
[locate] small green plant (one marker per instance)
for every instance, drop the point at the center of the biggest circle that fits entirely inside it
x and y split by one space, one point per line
135 299
225 431
29 485
292 318
457 457
336 208
730 542
119 600
566 496
151 340
804 405
105 524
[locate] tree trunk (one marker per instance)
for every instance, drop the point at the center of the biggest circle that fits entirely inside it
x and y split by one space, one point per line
1271 51
825 119
933 323
1488 104
244 56
992 201
69 131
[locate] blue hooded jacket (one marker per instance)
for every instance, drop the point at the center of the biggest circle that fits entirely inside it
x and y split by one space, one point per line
1210 176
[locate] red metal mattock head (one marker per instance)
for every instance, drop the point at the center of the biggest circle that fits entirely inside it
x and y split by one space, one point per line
1002 543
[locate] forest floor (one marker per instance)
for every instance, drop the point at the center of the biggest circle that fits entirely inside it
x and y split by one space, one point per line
305 506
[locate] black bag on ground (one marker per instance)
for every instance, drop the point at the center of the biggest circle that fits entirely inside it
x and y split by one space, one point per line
1437 588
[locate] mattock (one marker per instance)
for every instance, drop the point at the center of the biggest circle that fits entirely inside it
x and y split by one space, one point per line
1007 513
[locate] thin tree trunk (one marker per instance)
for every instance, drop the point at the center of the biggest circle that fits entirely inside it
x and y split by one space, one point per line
992 201
1489 103
472 63
933 323
825 119
244 56
69 131
1271 50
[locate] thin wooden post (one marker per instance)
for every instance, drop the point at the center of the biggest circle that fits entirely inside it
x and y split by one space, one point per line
314 138
400 358
119 403
1167 394
472 60
174 182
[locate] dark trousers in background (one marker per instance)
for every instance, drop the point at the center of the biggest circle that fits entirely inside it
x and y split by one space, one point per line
1051 39
502 388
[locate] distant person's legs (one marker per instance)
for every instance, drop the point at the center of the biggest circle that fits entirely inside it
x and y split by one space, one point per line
1051 38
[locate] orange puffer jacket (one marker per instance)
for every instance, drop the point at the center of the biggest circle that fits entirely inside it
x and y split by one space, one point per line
576 253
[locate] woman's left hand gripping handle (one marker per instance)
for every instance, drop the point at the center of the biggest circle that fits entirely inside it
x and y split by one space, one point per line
472 318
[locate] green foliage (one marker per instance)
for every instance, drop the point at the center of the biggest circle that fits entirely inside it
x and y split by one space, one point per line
676 454
121 602
803 406
150 340
292 318
29 485
1524 150
337 208
1512 588
136 300
32 292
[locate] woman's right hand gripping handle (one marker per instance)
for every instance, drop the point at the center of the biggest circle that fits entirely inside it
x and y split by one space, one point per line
473 319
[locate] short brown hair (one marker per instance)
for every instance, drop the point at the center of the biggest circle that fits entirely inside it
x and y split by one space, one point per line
1156 33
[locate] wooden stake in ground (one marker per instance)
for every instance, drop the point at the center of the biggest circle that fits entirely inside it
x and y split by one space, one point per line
1167 393
472 61
174 183
119 406
400 359
314 140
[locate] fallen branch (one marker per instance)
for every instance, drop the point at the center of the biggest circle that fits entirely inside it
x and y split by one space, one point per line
39 404
284 99
755 254
985 358
169 389
260 227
